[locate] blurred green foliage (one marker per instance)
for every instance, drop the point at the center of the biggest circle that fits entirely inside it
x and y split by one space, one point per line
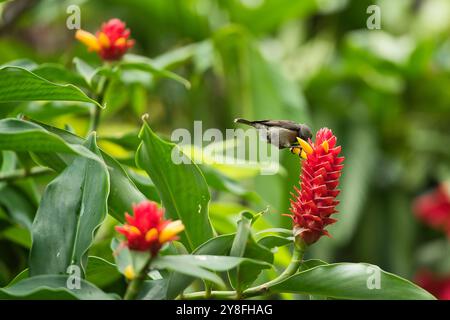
385 94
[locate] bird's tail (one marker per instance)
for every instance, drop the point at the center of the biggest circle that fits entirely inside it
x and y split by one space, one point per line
240 120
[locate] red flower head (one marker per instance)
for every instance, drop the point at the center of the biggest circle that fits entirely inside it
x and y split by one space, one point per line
111 42
316 200
434 208
147 230
438 286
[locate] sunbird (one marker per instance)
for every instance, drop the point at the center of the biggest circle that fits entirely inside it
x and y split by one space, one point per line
282 133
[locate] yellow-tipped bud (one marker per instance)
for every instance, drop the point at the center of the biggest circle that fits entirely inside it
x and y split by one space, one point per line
325 146
103 40
305 145
129 272
151 234
133 229
88 39
170 231
296 150
303 155
120 42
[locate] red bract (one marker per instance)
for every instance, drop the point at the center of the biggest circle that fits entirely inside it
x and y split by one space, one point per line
111 42
316 201
438 286
147 230
434 208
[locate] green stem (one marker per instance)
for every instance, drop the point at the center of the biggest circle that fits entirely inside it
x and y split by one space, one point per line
297 258
135 285
96 112
22 173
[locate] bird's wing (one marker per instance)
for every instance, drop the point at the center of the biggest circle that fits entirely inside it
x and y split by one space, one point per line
288 124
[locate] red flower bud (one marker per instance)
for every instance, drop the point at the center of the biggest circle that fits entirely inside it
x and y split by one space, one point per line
147 230
434 208
315 202
111 42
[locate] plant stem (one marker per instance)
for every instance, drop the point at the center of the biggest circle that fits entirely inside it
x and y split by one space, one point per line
22 173
135 285
297 258
96 112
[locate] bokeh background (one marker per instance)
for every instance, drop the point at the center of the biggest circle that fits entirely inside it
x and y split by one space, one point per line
385 94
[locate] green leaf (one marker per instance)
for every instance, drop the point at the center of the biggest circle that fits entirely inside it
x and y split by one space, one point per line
132 61
351 281
19 84
123 192
21 135
63 230
101 272
85 70
52 287
153 290
216 246
245 245
181 187
198 265
17 205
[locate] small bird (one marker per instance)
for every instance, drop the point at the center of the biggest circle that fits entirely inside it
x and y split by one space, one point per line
282 133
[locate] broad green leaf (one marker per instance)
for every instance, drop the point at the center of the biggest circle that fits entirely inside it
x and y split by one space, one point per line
21 135
245 245
199 265
63 230
53 287
21 236
19 84
123 192
351 281
58 74
181 187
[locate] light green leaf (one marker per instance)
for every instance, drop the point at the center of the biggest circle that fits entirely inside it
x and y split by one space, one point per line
52 287
352 281
63 230
19 84
198 265
21 135
181 187
101 272
132 61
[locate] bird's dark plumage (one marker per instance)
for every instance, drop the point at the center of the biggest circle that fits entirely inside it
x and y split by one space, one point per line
281 133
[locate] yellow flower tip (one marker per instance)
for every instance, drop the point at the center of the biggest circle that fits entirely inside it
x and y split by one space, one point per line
151 234
305 145
88 39
303 155
296 150
170 231
103 40
129 272
325 146
133 229
120 42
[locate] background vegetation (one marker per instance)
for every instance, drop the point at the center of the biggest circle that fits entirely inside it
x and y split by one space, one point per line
383 92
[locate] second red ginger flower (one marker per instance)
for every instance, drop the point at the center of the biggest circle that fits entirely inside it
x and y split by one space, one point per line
315 202
110 42
147 230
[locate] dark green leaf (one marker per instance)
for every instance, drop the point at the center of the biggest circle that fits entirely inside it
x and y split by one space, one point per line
352 281
181 187
63 230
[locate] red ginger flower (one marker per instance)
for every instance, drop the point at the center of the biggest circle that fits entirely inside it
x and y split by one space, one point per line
439 286
313 205
111 42
434 208
147 230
